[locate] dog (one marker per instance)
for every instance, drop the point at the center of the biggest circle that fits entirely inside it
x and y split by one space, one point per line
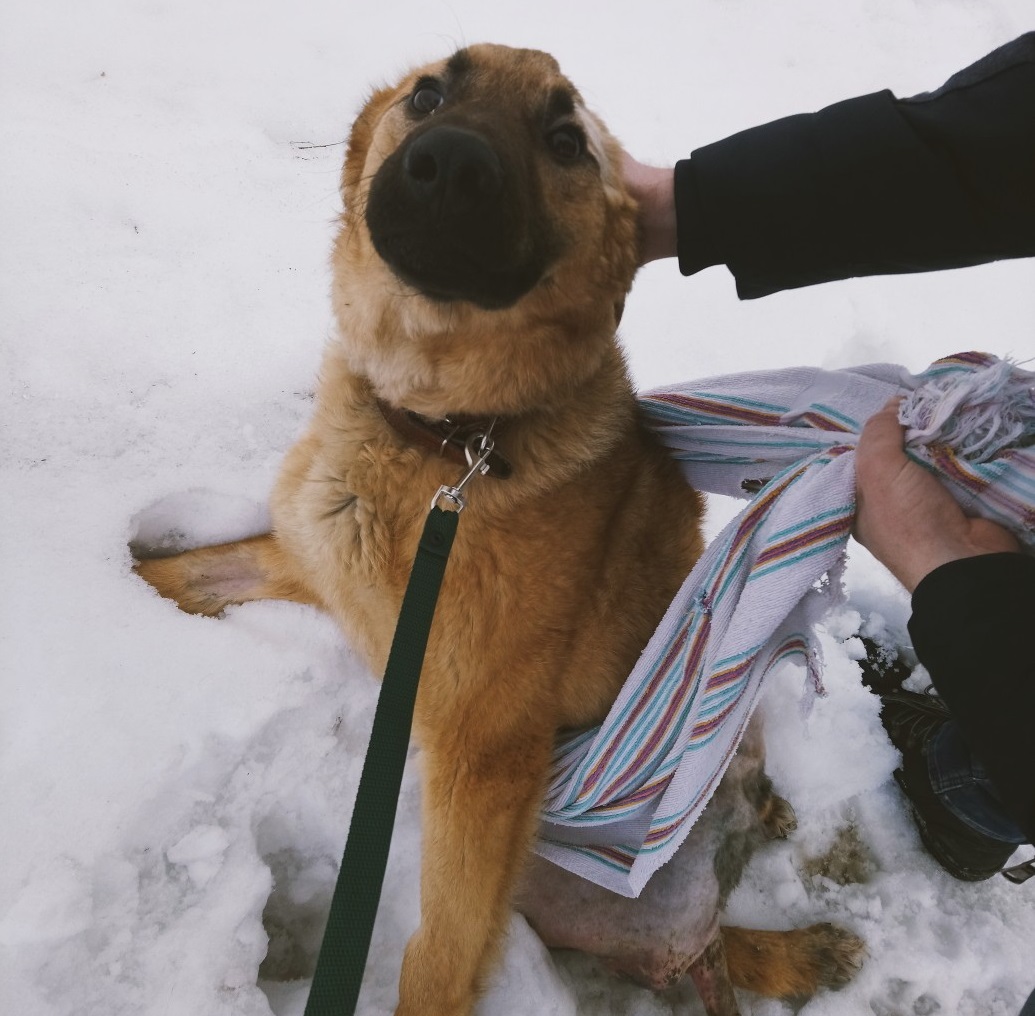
486 247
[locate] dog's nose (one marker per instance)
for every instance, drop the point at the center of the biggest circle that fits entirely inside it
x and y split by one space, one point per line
454 166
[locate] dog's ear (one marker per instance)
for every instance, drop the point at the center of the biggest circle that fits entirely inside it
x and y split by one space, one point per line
359 140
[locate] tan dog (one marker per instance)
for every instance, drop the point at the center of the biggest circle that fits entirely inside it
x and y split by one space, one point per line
485 250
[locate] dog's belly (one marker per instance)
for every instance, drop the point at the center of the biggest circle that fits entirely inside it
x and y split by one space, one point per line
670 923
655 937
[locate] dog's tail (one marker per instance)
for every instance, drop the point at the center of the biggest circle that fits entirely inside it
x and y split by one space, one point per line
792 964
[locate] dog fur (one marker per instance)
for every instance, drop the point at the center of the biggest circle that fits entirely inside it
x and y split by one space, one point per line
485 251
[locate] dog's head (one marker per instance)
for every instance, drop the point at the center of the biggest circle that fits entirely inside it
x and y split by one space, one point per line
484 205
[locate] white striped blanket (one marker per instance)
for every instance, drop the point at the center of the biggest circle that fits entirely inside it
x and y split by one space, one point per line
625 794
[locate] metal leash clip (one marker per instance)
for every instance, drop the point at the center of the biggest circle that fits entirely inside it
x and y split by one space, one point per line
477 449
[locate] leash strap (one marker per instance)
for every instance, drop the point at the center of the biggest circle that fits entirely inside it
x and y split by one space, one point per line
346 941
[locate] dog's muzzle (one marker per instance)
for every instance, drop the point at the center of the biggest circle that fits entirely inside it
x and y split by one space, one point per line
457 220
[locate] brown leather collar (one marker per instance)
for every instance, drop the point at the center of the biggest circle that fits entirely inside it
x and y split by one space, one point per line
447 437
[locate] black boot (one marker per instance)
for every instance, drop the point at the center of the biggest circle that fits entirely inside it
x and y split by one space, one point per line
911 721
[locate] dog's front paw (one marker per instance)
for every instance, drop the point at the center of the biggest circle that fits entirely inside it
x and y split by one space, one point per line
432 982
408 1010
433 1009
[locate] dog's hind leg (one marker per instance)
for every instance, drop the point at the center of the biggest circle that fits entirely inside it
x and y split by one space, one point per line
792 964
207 580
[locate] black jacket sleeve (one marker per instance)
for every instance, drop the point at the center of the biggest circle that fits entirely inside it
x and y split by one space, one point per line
871 186
972 628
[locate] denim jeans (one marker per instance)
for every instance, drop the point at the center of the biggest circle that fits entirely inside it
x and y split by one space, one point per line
963 786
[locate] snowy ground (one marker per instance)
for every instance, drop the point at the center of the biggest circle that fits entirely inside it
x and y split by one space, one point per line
167 197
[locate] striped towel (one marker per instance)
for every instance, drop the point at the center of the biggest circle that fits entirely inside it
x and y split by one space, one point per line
624 795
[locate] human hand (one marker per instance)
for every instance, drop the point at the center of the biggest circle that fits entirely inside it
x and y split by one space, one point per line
905 517
654 191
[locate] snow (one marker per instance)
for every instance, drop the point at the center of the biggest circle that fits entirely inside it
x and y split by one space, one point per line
168 189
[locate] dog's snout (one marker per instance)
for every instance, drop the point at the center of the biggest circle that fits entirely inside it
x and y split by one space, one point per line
453 165
452 211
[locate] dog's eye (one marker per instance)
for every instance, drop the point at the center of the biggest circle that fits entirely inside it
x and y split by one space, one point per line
426 98
566 142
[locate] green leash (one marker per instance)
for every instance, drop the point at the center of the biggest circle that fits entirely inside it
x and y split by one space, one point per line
346 941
